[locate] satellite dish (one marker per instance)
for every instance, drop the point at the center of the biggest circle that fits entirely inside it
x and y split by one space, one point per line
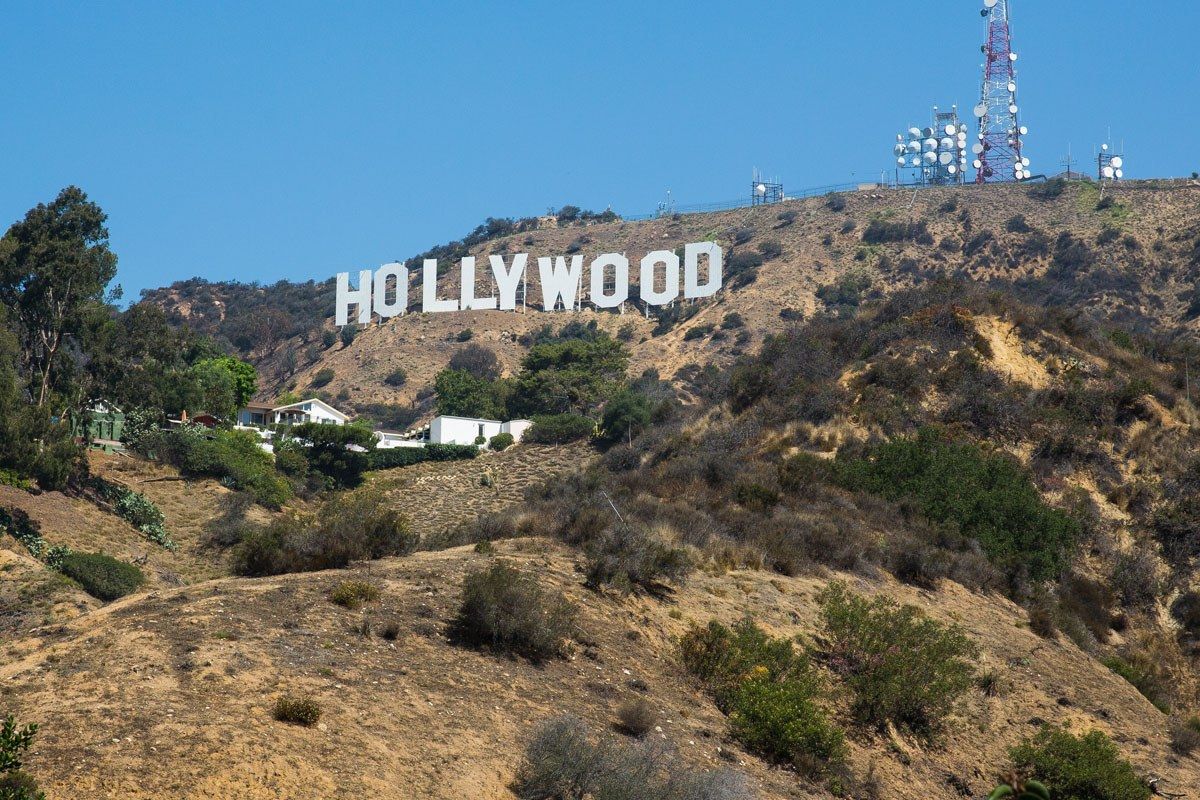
951 130
902 162
900 149
990 3
916 162
976 149
1109 172
761 188
900 138
931 145
1012 87
1028 174
981 110
929 132
947 143
1012 56
1104 147
1024 131
953 170
946 158
914 133
931 158
1120 174
914 147
988 172
1024 162
1012 109
977 163
1118 162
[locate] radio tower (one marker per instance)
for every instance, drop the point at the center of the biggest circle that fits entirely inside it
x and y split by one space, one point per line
998 154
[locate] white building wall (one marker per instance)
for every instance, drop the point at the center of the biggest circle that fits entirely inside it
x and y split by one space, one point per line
461 430
516 427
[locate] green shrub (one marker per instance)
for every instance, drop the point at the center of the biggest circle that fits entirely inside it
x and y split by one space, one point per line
881 231
136 509
18 785
328 449
560 428
1050 190
1087 767
297 710
771 248
625 417
501 441
508 610
101 576
1140 672
636 716
353 594
1185 735
324 376
564 763
465 335
24 529
626 557
699 332
990 497
902 667
407 456
732 321
396 378
770 691
13 742
1017 224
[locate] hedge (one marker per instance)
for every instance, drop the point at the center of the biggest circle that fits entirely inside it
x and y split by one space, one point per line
407 456
101 576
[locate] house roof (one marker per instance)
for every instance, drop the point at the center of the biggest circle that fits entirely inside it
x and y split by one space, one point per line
259 407
468 419
314 401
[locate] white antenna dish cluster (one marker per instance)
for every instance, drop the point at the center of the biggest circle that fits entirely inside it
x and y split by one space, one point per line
1112 167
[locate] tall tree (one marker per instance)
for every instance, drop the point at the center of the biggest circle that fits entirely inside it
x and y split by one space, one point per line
54 265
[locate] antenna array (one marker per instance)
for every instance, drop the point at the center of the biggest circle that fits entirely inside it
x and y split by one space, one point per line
997 152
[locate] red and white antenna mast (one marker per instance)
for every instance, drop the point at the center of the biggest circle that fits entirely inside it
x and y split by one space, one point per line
998 155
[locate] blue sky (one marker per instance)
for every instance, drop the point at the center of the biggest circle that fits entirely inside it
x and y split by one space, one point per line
269 140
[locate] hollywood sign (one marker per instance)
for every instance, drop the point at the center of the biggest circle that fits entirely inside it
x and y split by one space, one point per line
385 291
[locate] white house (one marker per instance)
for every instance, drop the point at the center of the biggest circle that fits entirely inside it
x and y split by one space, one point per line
390 440
313 410
462 430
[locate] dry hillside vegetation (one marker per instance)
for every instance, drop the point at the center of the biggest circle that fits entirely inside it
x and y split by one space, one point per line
171 694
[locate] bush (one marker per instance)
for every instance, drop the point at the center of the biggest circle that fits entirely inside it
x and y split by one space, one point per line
882 232
101 576
328 450
836 203
770 249
348 334
636 716
136 509
1140 673
1085 767
354 526
508 610
1050 190
1185 735
323 377
560 428
14 741
625 417
297 710
353 594
1017 224
477 360
626 557
564 763
18 785
396 378
465 335
732 321
501 442
902 667
770 691
699 332
990 497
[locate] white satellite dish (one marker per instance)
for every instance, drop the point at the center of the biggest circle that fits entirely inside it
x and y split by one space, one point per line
990 3
981 110
1012 56
1028 174
931 145
1012 109
761 188
931 158
916 162
914 147
1024 131
946 158
902 162
951 130
1012 87
1120 174
1118 162
953 170
976 149
1104 147
900 138
1024 162
930 133
914 133
947 143
900 149
977 163
1109 172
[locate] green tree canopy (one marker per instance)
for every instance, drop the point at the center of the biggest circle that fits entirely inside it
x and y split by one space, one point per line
568 376
461 394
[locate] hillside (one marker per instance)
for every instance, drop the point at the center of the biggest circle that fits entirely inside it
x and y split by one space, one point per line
1129 258
185 709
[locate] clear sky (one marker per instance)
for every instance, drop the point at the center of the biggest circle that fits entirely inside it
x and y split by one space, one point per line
257 141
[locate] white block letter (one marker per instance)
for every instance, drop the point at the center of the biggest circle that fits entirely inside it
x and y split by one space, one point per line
398 306
346 298
508 280
467 299
620 293
429 301
560 281
671 278
691 269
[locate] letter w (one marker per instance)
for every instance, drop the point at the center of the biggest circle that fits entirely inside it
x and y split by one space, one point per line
559 281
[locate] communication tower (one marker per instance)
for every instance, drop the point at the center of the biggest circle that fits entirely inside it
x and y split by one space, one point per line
935 155
1109 165
998 155
764 192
